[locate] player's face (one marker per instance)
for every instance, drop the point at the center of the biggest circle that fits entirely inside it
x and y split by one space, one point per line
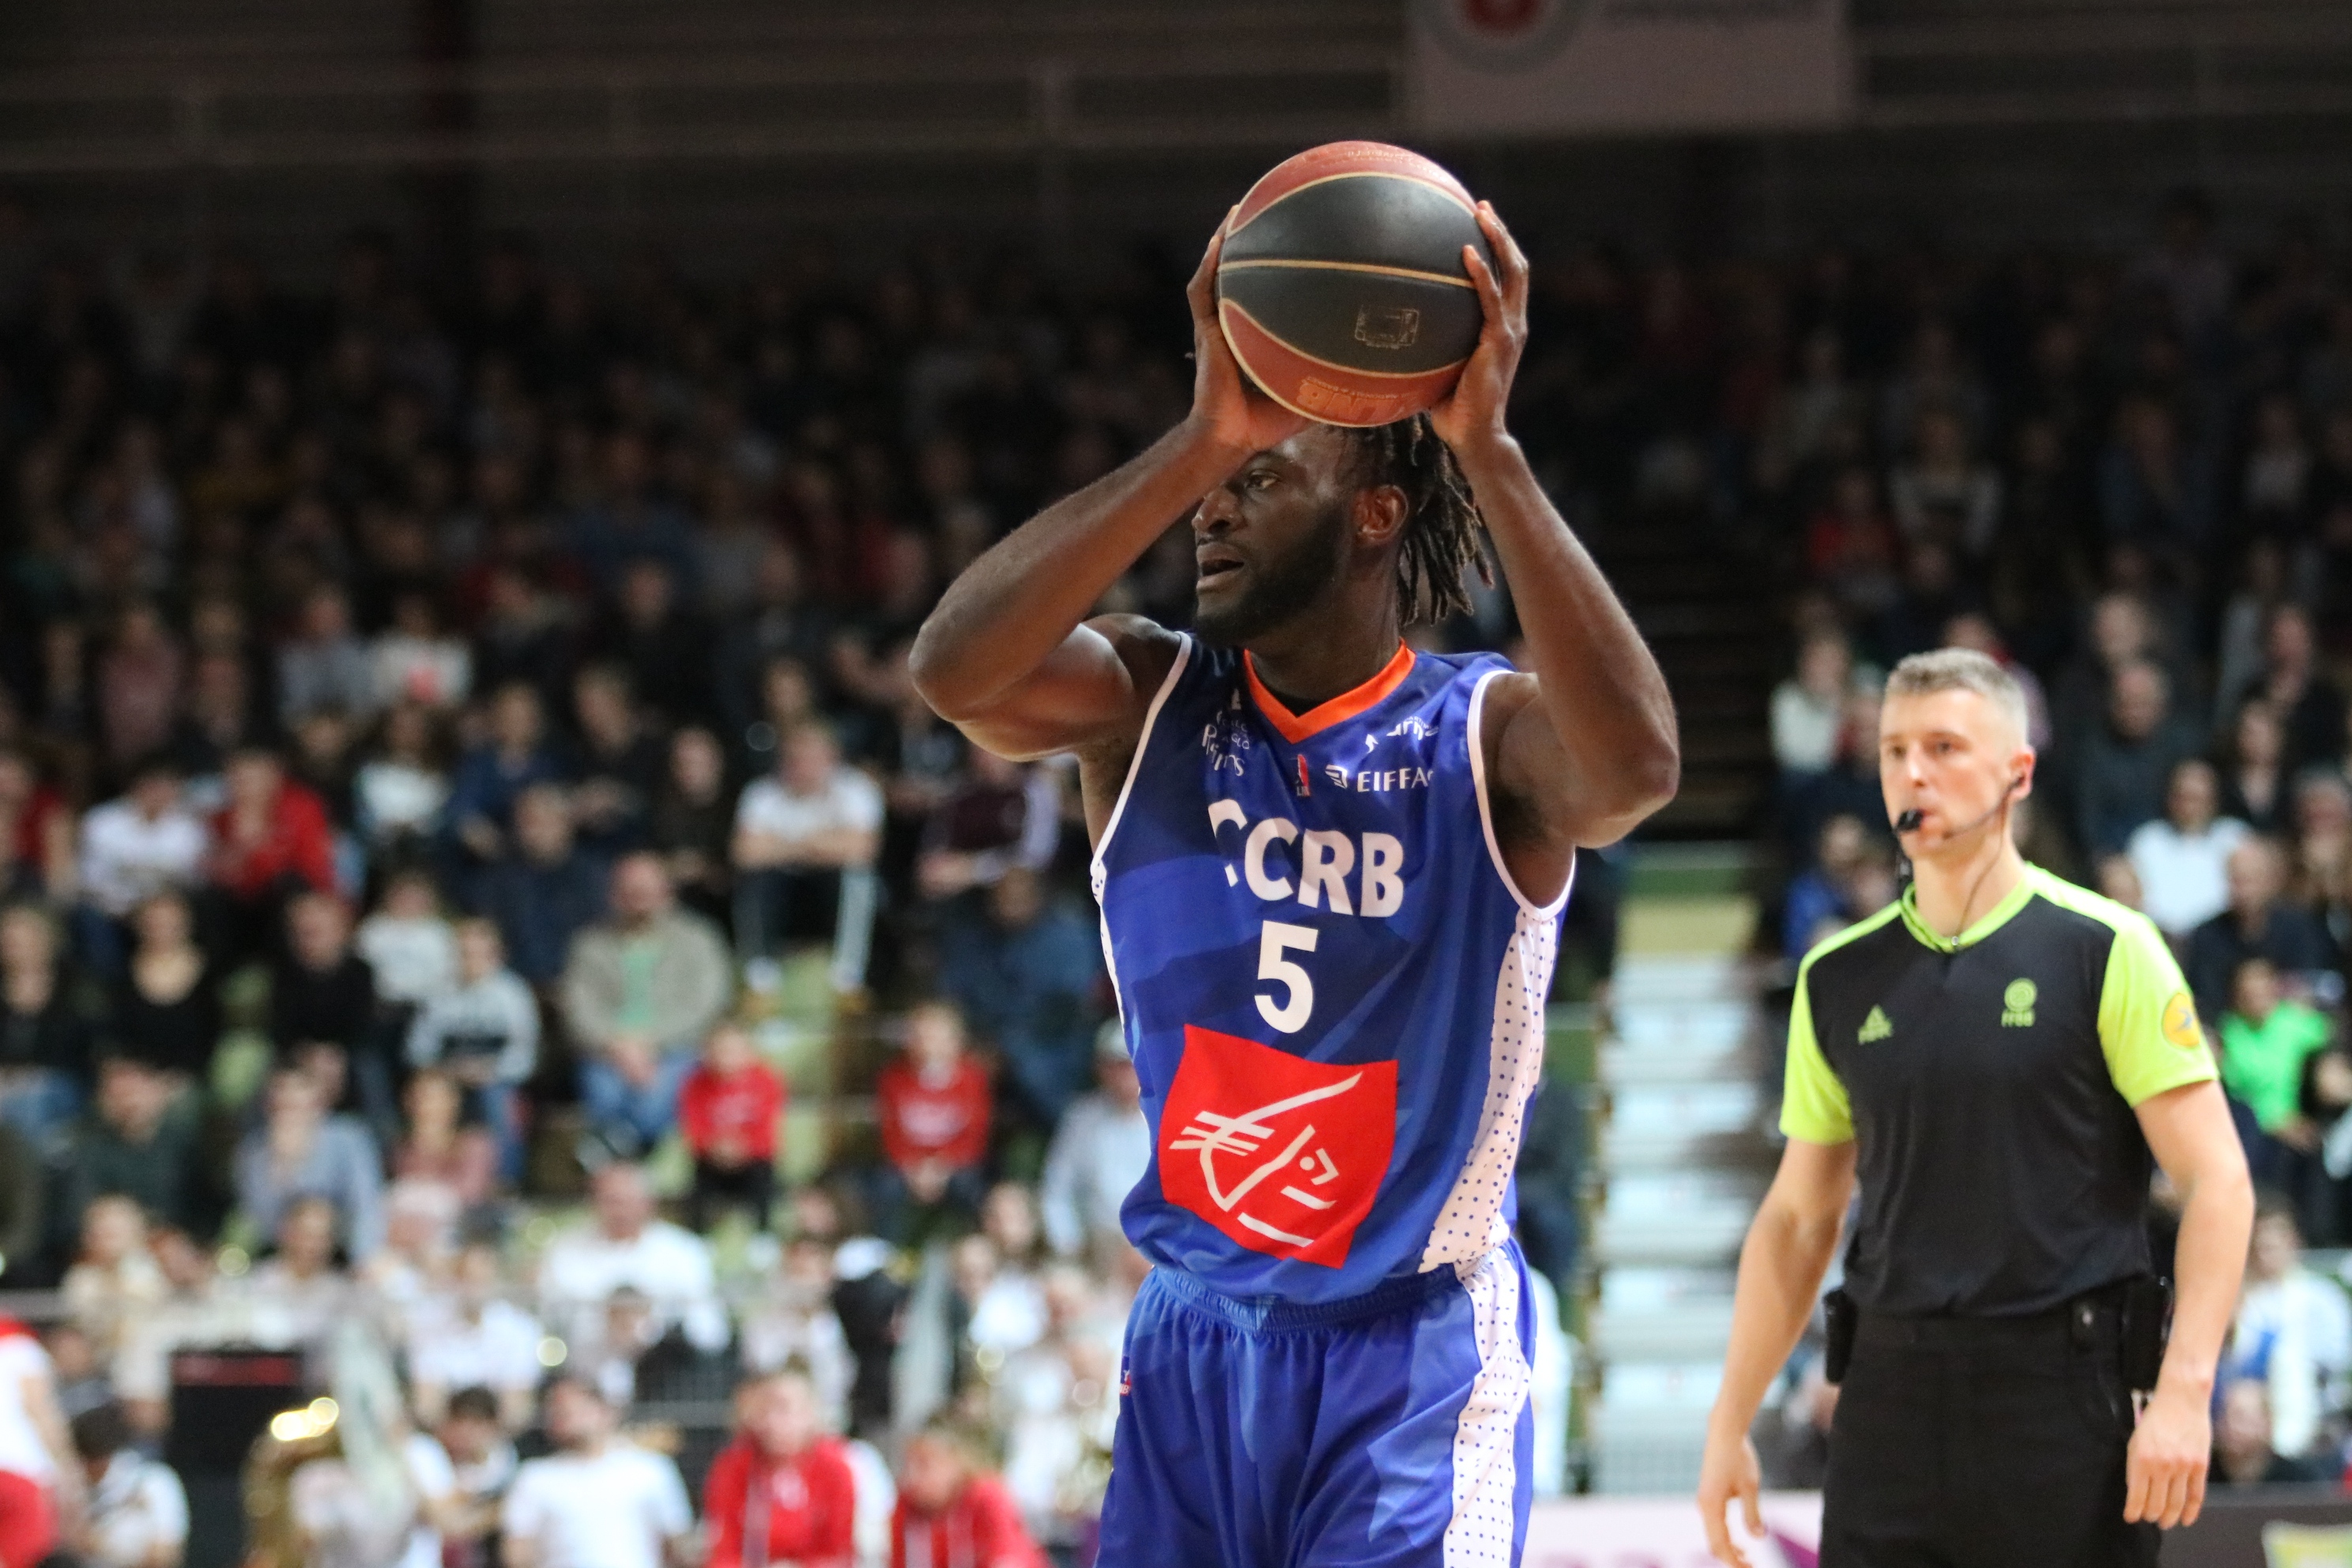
1273 539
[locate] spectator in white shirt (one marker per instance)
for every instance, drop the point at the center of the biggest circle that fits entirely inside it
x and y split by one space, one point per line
485 1035
2293 1331
434 1480
408 945
793 1321
141 843
1054 1402
136 1514
472 1338
398 793
1097 1155
624 1245
482 1465
415 661
1809 707
2182 857
1004 1309
596 1502
299 1296
115 1282
805 841
411 1270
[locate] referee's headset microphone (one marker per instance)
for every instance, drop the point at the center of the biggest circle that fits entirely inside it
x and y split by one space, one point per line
1910 821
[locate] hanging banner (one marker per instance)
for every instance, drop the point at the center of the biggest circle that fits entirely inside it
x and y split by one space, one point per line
1544 68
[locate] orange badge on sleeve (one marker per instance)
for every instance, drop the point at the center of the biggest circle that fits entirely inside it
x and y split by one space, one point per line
2180 1026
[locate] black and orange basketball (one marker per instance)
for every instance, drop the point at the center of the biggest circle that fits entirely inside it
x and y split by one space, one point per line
1341 288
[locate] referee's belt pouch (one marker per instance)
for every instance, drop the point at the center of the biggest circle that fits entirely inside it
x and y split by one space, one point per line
1839 1320
2145 1313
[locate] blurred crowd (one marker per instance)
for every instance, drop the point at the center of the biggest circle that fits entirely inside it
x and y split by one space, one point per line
471 857
2129 479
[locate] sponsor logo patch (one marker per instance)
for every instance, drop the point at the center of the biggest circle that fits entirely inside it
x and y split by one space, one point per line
2179 1027
1282 1154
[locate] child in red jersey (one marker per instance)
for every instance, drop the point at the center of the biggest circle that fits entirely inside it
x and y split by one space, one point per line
950 1513
782 1492
935 1115
728 1111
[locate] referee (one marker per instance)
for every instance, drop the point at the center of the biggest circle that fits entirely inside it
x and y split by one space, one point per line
1991 1060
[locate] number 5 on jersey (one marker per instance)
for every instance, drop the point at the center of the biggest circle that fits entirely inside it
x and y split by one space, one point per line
1274 940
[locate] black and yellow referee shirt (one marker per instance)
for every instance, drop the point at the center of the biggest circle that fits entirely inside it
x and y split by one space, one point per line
1988 1082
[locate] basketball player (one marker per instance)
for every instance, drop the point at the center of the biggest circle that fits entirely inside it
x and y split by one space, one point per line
1331 872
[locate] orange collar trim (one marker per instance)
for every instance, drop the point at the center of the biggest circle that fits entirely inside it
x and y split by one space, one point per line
1297 727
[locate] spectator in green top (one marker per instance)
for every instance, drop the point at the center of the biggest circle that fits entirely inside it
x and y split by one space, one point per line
2266 1039
639 991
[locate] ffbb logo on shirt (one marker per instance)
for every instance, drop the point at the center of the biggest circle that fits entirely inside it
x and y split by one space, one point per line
2017 1004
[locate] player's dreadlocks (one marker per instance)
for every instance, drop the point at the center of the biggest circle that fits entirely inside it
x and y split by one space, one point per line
1440 540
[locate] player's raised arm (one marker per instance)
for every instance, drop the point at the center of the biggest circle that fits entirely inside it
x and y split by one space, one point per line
1008 656
1588 744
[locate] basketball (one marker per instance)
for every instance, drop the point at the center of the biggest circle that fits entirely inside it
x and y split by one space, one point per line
1342 288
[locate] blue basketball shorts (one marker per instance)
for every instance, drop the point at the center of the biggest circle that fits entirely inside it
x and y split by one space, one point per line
1388 1431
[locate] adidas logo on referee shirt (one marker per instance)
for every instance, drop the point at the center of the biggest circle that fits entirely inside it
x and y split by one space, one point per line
1875 1028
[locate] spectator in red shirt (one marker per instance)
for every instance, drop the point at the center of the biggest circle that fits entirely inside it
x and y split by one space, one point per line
37 833
782 1492
950 1514
728 1111
269 840
935 1114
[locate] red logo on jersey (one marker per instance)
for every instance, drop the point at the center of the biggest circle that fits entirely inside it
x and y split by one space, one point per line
1282 1154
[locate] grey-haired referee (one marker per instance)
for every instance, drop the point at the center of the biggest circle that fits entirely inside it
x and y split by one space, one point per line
1991 1059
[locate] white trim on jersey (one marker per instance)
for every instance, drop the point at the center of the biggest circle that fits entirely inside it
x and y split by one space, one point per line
1470 1223
1135 764
1485 1438
1486 809
1100 877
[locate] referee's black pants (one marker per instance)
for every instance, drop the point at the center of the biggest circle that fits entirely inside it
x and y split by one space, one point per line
1983 1443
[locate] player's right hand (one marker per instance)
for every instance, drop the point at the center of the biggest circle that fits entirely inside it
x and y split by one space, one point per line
1729 1470
1227 407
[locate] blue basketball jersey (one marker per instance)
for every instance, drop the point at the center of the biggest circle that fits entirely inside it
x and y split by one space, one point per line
1333 993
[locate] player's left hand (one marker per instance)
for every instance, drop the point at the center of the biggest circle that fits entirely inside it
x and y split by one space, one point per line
1474 409
2164 1473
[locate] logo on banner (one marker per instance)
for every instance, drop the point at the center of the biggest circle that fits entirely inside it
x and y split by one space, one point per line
1282 1154
1500 34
